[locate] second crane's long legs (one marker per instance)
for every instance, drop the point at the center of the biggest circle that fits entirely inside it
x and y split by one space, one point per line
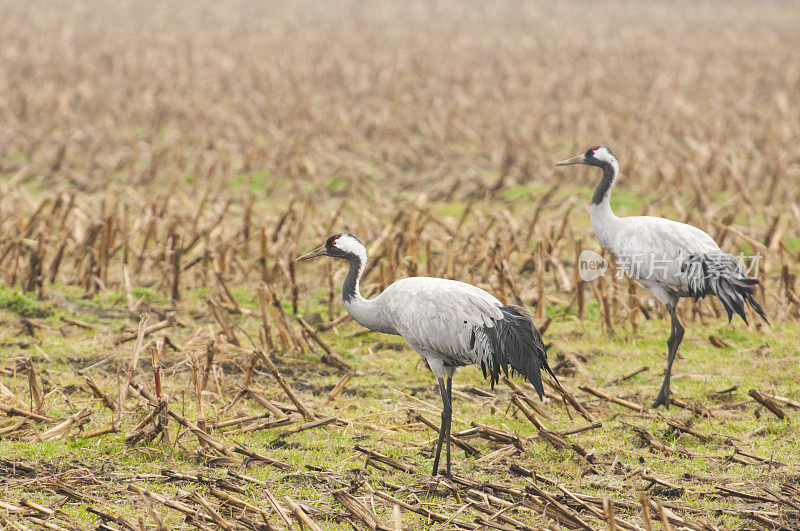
444 427
675 338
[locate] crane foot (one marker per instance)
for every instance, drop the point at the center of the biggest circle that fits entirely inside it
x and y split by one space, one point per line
661 400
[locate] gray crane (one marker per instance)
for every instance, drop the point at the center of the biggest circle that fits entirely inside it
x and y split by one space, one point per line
670 259
451 324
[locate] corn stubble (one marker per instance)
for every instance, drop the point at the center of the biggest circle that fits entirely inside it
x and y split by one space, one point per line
167 173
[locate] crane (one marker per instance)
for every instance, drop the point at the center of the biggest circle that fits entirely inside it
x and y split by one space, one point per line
449 323
669 258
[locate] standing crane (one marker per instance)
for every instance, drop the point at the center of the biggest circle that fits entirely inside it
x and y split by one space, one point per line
670 259
450 324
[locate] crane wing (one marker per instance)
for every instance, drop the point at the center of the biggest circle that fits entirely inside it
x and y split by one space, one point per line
645 234
438 317
680 260
652 250
461 324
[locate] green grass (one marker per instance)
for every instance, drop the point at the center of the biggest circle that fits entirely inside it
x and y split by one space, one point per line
258 183
23 304
393 385
521 191
562 313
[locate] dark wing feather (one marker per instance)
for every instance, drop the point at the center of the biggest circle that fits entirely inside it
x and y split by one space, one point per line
721 274
514 342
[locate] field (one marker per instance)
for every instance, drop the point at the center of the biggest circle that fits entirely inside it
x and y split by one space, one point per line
164 364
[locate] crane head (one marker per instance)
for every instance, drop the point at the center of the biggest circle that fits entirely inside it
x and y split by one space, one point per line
343 245
594 156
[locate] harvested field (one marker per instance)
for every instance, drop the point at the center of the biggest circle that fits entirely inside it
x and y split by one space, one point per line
164 364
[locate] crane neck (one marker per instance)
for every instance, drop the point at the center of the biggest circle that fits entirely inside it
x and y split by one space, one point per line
602 217
603 191
366 312
351 290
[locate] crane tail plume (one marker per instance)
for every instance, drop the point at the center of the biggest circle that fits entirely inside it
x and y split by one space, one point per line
515 343
721 274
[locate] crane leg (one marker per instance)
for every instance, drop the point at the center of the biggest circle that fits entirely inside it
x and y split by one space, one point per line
449 420
675 338
444 427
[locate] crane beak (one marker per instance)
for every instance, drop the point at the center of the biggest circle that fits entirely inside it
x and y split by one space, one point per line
319 251
580 159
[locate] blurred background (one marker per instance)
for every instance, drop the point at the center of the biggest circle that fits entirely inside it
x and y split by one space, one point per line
355 107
